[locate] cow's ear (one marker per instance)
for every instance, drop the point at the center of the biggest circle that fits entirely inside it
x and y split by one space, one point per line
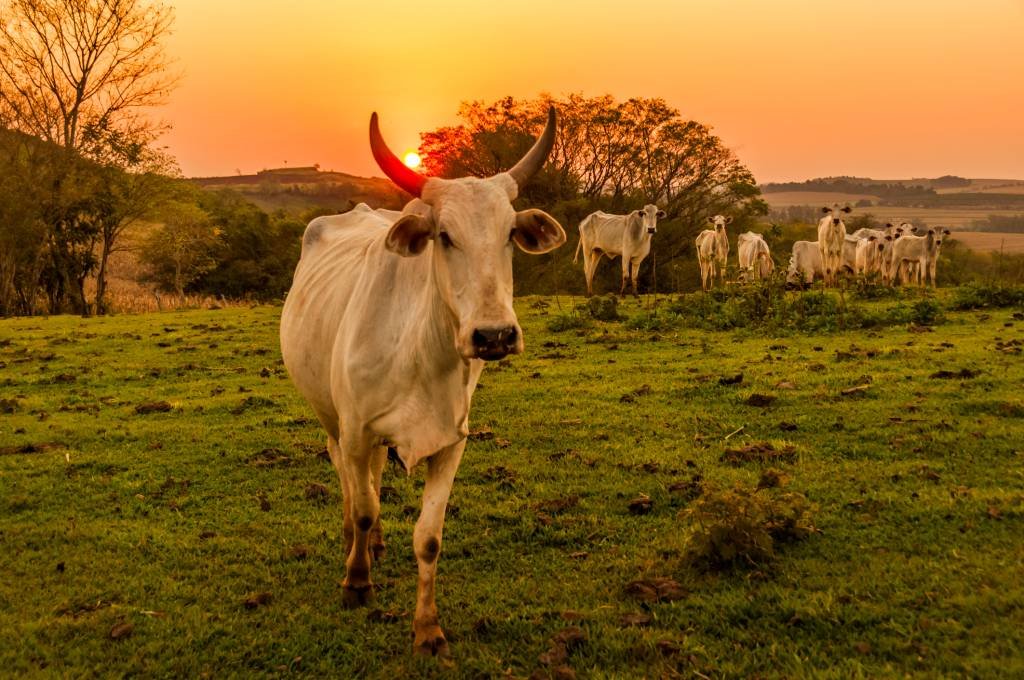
947 232
662 214
639 213
826 210
888 225
888 238
847 209
872 238
728 220
409 235
711 220
537 232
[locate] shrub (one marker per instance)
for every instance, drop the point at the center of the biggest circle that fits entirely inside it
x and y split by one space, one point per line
926 312
604 307
983 296
740 527
567 322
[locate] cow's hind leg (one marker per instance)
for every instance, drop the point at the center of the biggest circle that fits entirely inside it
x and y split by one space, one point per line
426 540
357 457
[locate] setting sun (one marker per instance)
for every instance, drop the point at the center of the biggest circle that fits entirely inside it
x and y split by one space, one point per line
411 160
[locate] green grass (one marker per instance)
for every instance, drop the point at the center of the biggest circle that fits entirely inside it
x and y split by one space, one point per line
169 521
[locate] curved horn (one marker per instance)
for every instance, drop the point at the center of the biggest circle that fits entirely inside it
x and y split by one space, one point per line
395 169
534 159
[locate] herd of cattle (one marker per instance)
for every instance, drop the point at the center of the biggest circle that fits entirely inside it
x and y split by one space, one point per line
392 314
898 253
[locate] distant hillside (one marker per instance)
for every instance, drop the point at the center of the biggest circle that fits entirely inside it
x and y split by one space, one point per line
979 204
297 190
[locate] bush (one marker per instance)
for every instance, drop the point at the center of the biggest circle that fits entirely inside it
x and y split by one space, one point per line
926 312
740 527
984 296
604 307
567 322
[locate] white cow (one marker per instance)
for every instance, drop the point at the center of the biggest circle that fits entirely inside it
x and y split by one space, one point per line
754 256
831 234
385 332
606 235
867 256
911 255
713 250
940 235
805 263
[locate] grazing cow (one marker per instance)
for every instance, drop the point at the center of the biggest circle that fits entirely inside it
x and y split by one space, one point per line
754 256
805 263
602 234
385 332
713 250
831 234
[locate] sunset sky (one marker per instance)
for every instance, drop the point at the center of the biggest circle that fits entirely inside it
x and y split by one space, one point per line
798 88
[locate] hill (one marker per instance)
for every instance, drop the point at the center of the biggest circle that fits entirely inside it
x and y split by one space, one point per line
976 204
298 190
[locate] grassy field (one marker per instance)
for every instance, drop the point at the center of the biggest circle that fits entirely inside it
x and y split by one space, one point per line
166 510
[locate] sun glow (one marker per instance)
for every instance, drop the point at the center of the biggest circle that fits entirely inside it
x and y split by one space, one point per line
412 160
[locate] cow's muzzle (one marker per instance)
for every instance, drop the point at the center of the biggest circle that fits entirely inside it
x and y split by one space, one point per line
491 344
652 231
835 222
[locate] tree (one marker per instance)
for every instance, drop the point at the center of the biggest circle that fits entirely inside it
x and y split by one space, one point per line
183 248
80 75
609 155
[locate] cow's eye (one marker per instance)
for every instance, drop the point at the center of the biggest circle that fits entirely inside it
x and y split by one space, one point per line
446 240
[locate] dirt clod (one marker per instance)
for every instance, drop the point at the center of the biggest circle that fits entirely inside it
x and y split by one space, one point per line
153 407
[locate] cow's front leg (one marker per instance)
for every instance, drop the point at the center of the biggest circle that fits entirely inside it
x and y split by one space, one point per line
348 526
426 541
357 455
378 459
634 271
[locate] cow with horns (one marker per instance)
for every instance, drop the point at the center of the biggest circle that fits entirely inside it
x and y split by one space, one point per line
385 331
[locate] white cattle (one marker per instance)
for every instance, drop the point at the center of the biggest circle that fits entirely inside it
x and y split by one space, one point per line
940 235
754 256
911 255
867 256
805 263
606 235
831 234
886 266
385 332
713 250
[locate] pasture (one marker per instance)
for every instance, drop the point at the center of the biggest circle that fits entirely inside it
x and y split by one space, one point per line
166 508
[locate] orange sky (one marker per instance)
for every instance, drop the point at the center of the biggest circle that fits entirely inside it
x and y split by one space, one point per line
798 88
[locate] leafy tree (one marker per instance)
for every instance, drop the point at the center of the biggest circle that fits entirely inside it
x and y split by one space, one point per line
183 248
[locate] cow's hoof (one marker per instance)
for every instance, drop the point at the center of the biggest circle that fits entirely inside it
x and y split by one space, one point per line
434 645
353 597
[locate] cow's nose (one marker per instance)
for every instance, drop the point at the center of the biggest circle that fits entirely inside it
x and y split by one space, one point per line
835 222
652 231
494 343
